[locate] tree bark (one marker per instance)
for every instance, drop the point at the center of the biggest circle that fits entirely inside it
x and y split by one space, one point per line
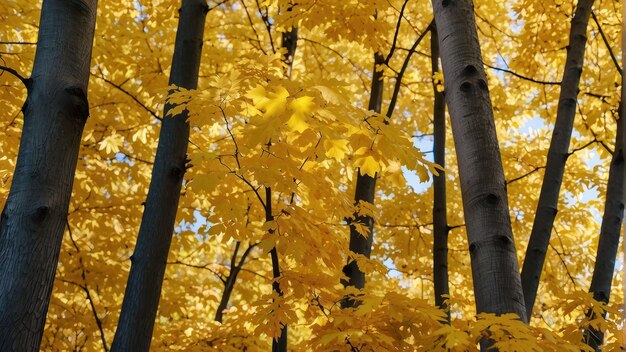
35 214
557 156
609 234
495 271
440 218
143 290
365 191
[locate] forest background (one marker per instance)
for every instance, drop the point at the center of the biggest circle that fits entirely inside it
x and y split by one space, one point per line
288 120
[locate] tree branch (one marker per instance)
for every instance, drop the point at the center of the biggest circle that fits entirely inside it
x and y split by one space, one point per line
396 88
134 98
23 79
85 288
395 35
521 76
606 42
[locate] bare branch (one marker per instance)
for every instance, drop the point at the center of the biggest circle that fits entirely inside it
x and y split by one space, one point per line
521 76
23 79
606 42
395 35
396 88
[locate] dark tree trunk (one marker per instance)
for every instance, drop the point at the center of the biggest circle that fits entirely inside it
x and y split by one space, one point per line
495 271
35 214
289 42
440 218
365 191
609 234
279 344
143 290
229 283
557 156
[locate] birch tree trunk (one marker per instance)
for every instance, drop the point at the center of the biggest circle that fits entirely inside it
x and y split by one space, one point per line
34 217
143 290
557 156
609 234
440 218
495 271
365 191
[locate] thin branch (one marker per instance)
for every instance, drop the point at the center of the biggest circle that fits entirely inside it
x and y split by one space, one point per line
564 264
525 175
86 289
134 98
245 254
606 42
582 147
236 154
233 258
258 39
23 79
395 35
331 50
396 88
268 25
197 266
210 8
521 76
18 43
128 156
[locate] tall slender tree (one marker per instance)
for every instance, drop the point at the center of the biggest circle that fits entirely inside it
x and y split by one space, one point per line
440 218
289 43
609 233
366 184
365 192
495 270
557 156
34 217
143 290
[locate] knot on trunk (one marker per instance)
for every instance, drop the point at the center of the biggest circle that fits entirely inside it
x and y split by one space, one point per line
79 106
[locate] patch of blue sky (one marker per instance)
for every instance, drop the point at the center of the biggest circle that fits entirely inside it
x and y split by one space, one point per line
425 144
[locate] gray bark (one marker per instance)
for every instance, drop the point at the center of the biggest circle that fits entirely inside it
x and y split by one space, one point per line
143 290
35 214
495 271
557 156
609 234
365 191
440 217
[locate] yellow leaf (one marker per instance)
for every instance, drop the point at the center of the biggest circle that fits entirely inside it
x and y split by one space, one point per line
336 148
367 166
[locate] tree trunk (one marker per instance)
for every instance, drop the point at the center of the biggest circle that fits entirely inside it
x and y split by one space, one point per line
365 191
35 214
495 271
229 286
609 234
440 218
557 156
289 42
143 290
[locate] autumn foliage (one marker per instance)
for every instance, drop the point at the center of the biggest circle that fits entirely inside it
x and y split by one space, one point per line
292 140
